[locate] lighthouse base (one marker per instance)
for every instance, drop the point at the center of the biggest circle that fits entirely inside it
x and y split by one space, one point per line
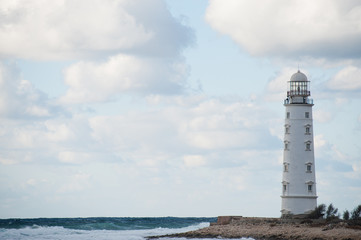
298 205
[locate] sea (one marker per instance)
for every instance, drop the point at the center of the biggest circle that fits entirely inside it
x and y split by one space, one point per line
99 228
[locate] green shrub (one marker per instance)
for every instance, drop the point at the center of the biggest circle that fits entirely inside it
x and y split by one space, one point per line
319 212
346 215
331 212
356 213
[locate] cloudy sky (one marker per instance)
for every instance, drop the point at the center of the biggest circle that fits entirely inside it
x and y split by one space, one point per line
171 108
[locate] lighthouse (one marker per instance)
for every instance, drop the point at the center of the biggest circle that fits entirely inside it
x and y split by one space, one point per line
298 179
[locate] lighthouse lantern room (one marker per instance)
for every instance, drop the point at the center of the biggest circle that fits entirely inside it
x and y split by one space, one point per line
299 178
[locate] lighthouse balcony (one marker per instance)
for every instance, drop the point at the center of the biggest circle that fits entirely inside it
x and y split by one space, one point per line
298 92
298 100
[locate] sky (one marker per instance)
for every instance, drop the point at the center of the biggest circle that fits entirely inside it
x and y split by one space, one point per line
172 108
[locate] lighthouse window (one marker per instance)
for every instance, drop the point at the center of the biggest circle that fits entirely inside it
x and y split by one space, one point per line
308 146
285 167
286 145
307 115
310 187
287 129
288 114
284 187
307 130
309 169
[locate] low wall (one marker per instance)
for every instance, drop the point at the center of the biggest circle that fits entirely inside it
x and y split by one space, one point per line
225 220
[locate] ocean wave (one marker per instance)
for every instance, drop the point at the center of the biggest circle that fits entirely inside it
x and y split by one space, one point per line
160 227
164 231
104 223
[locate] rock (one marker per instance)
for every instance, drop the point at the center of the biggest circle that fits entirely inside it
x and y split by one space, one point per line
272 229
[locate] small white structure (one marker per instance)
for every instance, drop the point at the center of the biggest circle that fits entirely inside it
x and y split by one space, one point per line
298 181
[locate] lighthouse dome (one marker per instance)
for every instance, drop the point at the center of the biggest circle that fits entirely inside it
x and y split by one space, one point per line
298 77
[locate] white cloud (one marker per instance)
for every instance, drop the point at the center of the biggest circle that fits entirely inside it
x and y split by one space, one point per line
341 101
137 46
19 98
38 111
277 87
97 82
64 140
88 26
6 161
194 160
155 149
320 141
221 139
58 131
142 152
356 166
142 137
76 183
31 182
155 136
290 28
347 79
65 29
74 157
322 116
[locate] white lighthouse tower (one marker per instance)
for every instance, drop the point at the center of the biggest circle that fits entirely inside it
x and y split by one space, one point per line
299 180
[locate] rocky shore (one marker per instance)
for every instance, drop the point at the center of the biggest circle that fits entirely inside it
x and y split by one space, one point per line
275 229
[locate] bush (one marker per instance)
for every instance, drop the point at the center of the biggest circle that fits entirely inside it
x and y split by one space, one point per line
356 213
346 215
319 212
331 212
